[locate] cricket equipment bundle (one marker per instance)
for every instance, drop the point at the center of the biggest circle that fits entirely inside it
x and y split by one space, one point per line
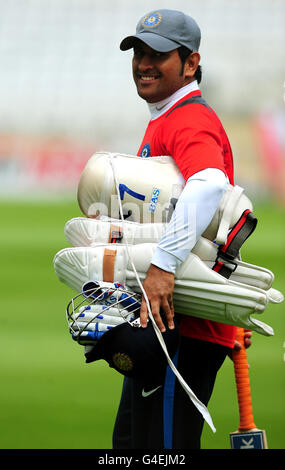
202 287
212 283
199 290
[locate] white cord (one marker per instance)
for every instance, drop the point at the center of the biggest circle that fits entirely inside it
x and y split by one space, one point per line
199 405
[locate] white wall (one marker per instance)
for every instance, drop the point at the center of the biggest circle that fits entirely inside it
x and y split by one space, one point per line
61 69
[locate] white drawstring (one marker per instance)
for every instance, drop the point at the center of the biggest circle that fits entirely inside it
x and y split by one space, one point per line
199 405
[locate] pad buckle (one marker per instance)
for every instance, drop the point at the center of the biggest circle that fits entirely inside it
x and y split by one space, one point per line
224 265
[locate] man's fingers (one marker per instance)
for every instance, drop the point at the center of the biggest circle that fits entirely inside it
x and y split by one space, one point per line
158 285
169 314
247 338
143 314
237 346
247 342
155 310
155 313
171 306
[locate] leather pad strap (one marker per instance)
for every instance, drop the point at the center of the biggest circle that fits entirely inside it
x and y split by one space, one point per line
109 264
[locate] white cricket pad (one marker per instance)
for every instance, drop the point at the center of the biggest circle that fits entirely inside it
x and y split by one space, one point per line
82 231
199 291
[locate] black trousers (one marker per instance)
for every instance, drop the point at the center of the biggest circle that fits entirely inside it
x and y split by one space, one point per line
165 419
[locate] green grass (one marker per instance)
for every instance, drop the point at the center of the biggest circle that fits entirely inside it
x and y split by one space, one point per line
50 398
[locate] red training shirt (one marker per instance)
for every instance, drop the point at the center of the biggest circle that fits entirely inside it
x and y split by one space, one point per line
192 134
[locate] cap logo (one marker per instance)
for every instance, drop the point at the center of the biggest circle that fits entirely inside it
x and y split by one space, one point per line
150 21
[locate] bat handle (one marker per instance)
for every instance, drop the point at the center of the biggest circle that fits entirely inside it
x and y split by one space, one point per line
243 385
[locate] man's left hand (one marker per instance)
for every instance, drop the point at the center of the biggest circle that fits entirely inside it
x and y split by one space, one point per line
247 341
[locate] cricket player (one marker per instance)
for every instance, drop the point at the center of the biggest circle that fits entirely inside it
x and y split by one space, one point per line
167 74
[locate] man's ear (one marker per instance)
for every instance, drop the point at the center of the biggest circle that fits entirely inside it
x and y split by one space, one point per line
191 64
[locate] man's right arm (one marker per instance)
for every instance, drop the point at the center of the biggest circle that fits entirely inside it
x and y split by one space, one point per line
193 213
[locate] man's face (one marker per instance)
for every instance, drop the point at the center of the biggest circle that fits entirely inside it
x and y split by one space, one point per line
157 75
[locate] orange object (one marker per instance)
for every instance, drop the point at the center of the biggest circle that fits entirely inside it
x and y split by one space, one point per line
243 385
247 436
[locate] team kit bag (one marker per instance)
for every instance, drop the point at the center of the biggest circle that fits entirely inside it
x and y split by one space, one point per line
112 248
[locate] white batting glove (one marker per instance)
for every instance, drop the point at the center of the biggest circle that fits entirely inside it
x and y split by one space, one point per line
92 321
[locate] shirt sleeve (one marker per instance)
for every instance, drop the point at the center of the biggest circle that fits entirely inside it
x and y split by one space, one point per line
193 213
193 140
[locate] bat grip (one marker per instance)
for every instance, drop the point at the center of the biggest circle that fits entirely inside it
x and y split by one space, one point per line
243 385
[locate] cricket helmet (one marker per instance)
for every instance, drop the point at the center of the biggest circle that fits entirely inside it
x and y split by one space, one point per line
114 333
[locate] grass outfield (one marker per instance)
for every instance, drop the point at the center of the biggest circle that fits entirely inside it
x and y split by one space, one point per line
50 399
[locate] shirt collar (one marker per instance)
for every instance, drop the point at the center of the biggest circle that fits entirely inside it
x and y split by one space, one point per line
159 108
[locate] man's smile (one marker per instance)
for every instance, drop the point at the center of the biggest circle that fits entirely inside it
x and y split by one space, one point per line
147 78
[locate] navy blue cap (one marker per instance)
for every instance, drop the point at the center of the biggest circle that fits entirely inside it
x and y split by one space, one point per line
136 352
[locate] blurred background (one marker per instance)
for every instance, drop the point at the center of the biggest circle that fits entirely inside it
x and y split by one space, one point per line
66 92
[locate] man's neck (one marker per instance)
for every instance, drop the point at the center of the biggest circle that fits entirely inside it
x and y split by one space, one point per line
157 109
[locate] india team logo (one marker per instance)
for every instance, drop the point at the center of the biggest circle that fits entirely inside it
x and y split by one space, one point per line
152 20
145 151
123 361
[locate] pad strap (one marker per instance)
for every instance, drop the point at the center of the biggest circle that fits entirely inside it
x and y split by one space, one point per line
227 214
108 265
225 264
115 235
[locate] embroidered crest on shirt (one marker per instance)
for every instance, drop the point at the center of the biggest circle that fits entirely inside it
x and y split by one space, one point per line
145 152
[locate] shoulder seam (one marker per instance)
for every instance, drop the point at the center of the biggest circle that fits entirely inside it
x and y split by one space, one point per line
194 99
